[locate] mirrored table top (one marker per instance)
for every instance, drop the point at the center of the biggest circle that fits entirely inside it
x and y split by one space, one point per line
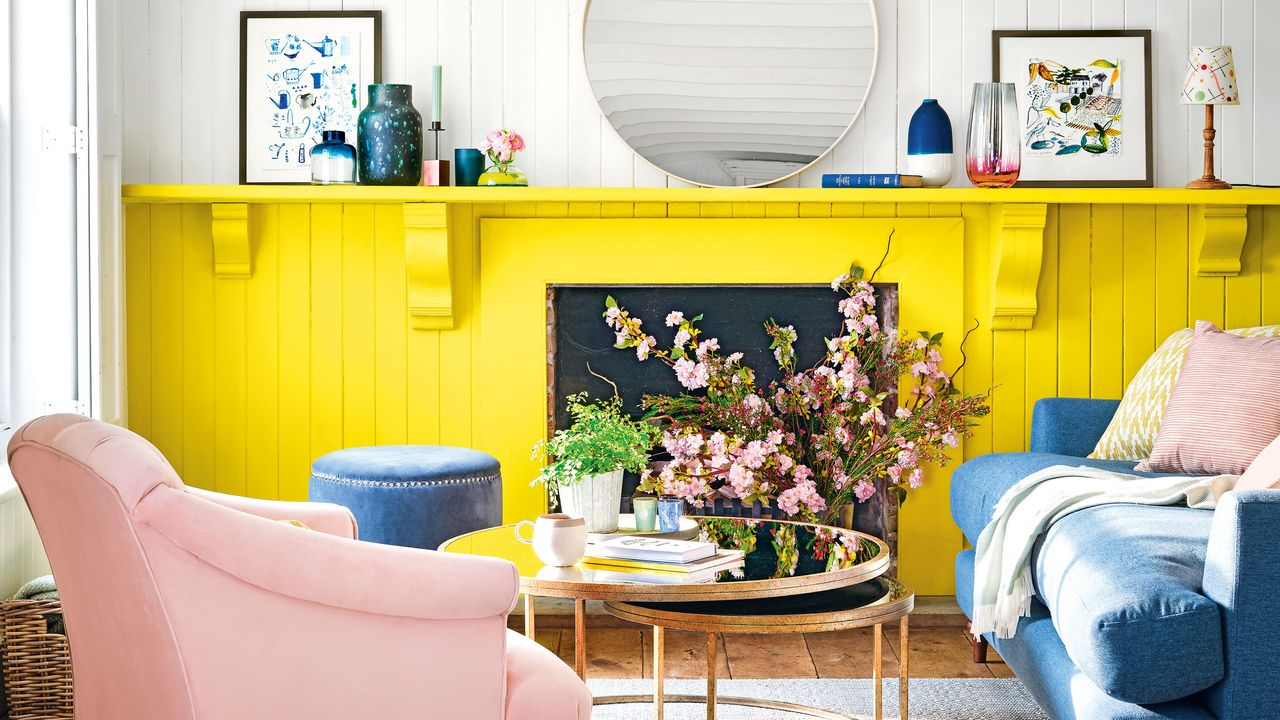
781 558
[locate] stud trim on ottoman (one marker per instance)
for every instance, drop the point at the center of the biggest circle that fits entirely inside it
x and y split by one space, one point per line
411 495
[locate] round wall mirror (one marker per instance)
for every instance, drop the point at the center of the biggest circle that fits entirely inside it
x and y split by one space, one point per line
729 92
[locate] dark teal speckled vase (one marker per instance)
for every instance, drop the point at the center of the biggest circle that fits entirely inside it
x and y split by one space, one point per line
389 141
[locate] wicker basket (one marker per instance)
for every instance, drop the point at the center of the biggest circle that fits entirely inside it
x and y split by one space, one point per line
36 662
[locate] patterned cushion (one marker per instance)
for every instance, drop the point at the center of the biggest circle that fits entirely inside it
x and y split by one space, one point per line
1132 432
1225 408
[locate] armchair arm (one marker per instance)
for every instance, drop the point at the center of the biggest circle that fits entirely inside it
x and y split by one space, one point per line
1242 575
332 571
324 517
1069 426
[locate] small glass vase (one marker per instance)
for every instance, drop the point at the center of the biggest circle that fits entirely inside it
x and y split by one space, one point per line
333 161
994 155
503 175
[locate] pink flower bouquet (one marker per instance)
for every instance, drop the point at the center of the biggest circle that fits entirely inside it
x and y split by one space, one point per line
818 438
501 146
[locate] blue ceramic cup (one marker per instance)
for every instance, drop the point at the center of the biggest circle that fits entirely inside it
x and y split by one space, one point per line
669 511
646 512
468 164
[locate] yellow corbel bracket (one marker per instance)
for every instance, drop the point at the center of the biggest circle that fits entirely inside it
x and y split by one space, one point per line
1019 252
230 231
426 248
1222 230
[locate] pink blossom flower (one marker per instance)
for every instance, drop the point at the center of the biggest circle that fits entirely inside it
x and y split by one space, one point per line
840 280
801 473
740 479
917 478
774 437
682 338
864 490
706 347
646 345
690 374
784 461
753 456
674 318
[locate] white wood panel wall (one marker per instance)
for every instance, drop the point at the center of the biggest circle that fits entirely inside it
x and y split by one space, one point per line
21 554
518 63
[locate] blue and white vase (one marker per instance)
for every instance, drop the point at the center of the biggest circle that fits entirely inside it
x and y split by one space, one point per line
333 161
929 144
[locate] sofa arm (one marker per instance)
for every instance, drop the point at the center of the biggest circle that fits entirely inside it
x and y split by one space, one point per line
320 568
1069 426
1242 575
324 517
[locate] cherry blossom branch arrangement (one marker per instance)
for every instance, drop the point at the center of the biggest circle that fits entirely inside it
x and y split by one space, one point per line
818 438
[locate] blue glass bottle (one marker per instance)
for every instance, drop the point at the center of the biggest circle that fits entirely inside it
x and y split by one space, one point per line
390 137
333 161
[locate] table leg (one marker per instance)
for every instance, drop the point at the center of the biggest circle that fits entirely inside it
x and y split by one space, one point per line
528 617
904 670
877 672
580 637
659 669
711 676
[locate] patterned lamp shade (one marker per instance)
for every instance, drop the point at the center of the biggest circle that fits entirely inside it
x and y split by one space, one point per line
1211 77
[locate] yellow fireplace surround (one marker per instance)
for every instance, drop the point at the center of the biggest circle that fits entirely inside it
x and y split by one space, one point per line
268 325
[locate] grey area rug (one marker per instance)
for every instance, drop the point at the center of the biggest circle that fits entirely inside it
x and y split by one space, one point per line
931 699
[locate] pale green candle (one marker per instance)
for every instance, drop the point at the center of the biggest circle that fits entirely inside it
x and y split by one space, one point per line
435 95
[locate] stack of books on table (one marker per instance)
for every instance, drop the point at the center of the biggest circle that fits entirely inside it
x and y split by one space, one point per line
659 560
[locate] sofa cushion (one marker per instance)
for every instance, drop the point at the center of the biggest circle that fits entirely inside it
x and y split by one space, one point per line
1041 661
977 484
1228 383
1122 583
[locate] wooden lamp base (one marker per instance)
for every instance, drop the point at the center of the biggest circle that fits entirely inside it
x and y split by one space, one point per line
1208 181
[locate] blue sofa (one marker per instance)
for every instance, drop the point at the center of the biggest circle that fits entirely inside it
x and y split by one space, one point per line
1140 612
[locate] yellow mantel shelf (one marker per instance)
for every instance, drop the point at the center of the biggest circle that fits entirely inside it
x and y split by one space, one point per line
357 194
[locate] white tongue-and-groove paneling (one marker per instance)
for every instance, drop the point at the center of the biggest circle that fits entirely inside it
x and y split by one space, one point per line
518 63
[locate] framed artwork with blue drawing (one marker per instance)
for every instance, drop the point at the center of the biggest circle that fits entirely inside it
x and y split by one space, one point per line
301 73
1084 103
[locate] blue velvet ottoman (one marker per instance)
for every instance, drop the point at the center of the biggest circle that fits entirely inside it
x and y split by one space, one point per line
411 495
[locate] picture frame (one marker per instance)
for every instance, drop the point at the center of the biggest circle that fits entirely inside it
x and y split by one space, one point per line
301 72
1084 102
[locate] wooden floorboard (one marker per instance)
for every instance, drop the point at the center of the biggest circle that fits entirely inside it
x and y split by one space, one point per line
769 656
936 652
686 655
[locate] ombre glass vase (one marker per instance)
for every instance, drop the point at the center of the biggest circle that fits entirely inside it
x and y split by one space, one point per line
994 155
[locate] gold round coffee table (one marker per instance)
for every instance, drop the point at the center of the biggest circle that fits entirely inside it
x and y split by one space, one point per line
788 566
870 604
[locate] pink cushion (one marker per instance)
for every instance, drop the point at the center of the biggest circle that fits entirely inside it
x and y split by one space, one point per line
1264 472
1225 408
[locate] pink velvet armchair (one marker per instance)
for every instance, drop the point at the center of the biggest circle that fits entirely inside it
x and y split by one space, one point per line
183 604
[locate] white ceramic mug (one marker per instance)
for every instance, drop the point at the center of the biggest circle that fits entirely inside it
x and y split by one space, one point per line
558 540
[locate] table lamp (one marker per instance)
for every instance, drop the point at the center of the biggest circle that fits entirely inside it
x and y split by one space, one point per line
1211 80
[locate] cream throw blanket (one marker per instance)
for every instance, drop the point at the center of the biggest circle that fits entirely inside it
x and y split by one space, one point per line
1002 585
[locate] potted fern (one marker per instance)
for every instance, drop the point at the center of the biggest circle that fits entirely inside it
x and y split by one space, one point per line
586 462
